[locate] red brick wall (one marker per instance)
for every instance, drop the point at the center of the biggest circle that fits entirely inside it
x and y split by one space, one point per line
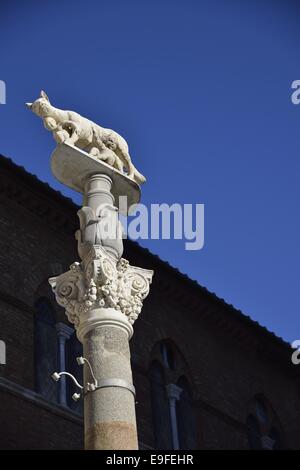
226 361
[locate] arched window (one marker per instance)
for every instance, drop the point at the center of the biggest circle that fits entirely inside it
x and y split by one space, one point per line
45 349
172 405
160 408
185 417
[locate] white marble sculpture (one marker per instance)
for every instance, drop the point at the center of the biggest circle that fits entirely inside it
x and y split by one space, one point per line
102 293
103 144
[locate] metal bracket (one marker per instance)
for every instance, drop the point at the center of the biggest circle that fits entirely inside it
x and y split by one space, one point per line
115 383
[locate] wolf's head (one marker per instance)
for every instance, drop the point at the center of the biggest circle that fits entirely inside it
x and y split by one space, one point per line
42 106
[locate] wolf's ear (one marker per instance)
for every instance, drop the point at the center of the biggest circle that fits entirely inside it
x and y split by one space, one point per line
44 95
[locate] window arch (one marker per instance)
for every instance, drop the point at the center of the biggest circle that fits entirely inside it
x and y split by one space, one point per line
45 349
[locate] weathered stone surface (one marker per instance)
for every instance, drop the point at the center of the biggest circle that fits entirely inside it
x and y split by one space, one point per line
115 435
109 409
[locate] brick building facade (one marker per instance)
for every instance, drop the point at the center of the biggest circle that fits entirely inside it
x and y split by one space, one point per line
230 382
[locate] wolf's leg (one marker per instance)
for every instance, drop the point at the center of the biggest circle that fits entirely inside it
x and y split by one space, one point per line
73 131
130 167
133 173
60 136
97 141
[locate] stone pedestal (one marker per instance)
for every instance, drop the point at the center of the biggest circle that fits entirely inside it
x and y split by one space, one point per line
103 296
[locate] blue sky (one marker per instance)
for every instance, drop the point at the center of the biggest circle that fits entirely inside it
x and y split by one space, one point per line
201 91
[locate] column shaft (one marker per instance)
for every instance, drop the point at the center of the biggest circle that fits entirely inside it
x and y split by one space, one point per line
109 412
98 191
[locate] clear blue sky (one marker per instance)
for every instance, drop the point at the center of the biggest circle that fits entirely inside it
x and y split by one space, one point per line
201 91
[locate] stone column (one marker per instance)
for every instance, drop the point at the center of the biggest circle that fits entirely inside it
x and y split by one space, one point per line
109 412
174 392
63 334
103 296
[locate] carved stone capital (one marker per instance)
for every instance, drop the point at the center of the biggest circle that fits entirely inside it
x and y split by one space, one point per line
101 281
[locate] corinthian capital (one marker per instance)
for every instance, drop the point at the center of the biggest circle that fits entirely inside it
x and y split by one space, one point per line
101 281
